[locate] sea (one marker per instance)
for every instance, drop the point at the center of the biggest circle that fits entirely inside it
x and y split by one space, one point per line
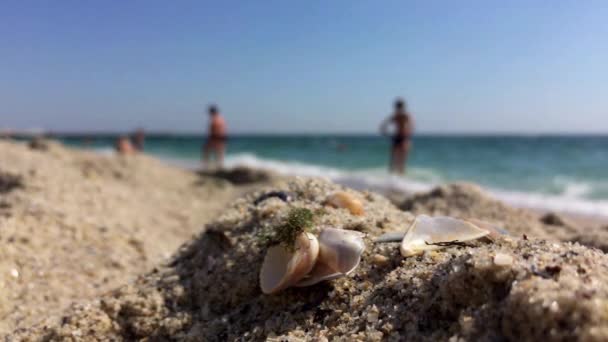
563 173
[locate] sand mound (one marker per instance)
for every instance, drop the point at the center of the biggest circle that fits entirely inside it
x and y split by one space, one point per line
511 289
74 224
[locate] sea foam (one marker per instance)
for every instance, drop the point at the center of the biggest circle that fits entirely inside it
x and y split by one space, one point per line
571 201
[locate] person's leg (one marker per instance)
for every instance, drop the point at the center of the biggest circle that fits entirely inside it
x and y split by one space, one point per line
399 159
206 150
215 153
393 160
404 155
219 153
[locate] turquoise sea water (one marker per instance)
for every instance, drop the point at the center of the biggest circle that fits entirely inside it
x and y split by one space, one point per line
560 172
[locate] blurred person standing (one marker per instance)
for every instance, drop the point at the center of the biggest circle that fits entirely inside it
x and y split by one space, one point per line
216 140
139 139
403 124
123 146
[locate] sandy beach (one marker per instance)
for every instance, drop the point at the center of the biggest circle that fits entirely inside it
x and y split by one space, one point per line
97 247
287 172
75 224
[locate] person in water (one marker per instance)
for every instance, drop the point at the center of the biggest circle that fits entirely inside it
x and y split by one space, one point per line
216 141
139 139
123 146
401 139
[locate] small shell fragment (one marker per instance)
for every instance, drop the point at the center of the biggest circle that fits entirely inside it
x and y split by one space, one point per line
429 233
347 201
502 259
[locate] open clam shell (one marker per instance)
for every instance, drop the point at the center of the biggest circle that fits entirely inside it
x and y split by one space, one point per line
427 232
283 268
339 254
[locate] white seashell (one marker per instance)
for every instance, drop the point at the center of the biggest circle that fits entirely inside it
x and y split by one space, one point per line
339 254
426 231
283 268
347 201
495 231
390 237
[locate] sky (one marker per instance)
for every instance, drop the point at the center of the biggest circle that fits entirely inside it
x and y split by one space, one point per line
309 66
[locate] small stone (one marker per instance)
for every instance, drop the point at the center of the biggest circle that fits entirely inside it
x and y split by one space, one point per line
379 259
466 323
15 273
372 315
553 219
502 259
554 307
347 201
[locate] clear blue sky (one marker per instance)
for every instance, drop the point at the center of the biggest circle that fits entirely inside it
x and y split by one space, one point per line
307 66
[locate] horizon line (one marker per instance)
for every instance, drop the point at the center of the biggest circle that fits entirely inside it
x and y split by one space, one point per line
67 133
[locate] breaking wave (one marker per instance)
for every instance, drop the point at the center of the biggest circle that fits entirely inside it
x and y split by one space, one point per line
571 200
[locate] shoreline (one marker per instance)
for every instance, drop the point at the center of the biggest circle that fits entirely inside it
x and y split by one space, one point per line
545 181
385 183
565 226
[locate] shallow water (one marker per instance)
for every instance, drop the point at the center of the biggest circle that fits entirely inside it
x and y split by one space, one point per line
556 172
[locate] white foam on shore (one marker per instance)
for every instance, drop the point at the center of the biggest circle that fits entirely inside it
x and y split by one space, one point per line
369 179
379 180
571 201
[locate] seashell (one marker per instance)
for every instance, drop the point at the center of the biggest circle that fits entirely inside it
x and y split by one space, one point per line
495 231
428 233
339 254
390 237
283 268
345 200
